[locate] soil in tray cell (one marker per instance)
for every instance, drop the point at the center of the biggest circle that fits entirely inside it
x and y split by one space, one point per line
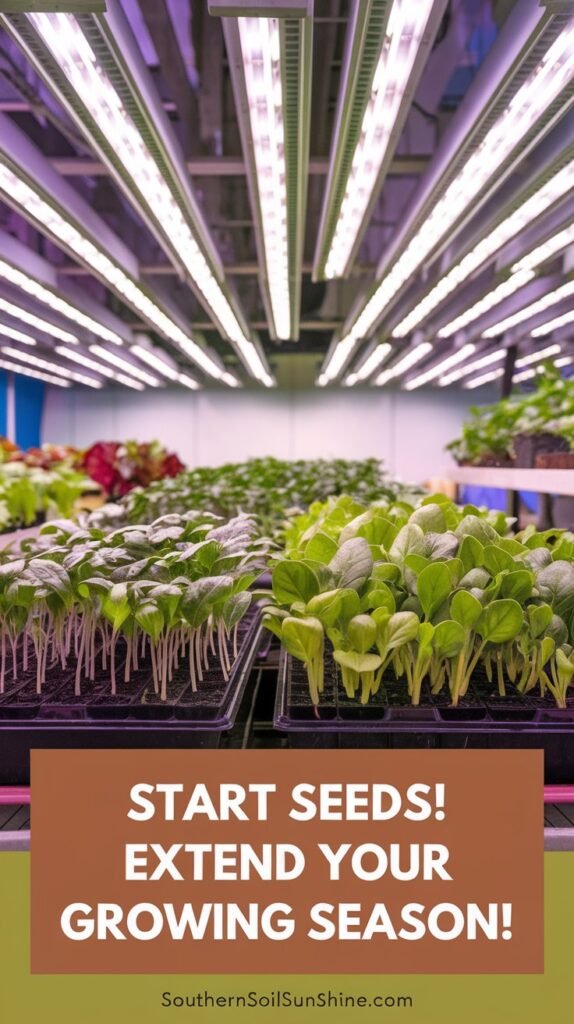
21 699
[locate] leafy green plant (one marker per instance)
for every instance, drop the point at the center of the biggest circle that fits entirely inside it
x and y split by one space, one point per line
26 493
491 431
430 593
174 591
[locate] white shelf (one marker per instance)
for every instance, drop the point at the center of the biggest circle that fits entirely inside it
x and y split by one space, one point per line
542 481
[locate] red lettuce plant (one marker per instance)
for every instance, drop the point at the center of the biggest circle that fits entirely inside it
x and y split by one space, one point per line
118 468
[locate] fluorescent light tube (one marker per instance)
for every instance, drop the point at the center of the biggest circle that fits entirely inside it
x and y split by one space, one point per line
553 245
125 365
360 156
15 335
261 48
371 363
54 368
536 94
476 364
485 378
36 290
153 180
270 60
77 356
525 375
18 313
509 228
166 369
488 302
188 382
550 299
438 369
553 325
537 357
27 371
412 357
50 221
128 382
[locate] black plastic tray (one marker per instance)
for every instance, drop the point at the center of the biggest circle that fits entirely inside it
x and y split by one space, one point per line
57 719
482 720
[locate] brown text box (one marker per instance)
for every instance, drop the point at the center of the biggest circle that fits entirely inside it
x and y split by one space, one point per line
493 828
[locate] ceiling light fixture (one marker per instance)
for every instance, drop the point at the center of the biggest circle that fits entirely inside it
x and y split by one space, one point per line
98 75
27 371
412 357
270 60
125 365
77 356
550 299
476 364
19 313
485 378
488 302
386 49
54 368
538 357
438 369
527 108
49 297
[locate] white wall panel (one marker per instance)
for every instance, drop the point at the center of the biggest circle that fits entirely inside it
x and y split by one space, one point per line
406 429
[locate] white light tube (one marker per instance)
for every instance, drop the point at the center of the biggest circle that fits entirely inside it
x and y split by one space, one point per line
511 226
564 361
404 33
80 357
54 368
125 365
476 364
27 371
550 299
486 378
50 220
136 385
11 332
18 313
439 368
188 382
537 357
372 363
553 325
38 291
488 302
538 92
261 51
525 375
541 253
155 361
409 359
89 78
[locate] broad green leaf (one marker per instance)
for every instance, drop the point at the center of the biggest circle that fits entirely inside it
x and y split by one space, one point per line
465 609
500 621
434 587
293 581
353 563
448 638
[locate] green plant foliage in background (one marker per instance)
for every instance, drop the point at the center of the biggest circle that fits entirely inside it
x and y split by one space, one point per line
271 489
492 430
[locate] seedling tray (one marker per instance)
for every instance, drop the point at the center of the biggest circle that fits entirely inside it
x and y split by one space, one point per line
482 720
134 717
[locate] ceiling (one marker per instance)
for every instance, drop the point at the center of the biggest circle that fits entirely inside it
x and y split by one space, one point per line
184 49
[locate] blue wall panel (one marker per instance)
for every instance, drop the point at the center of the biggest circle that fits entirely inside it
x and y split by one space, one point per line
29 405
3 389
